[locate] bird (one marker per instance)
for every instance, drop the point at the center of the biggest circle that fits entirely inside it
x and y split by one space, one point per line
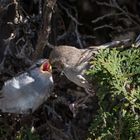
25 92
74 62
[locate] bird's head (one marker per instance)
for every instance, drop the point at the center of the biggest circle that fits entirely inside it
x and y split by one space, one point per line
58 64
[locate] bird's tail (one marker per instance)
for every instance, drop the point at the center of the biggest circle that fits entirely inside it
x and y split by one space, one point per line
122 43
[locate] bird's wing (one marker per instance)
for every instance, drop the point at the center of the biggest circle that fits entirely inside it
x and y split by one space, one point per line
12 88
81 79
21 80
83 62
86 55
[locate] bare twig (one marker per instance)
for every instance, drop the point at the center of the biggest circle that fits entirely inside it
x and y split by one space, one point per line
106 16
7 50
104 26
76 23
18 17
115 5
70 15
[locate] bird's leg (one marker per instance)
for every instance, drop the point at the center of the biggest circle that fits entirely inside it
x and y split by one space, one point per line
81 102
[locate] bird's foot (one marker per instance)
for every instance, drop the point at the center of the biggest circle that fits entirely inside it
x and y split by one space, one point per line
74 107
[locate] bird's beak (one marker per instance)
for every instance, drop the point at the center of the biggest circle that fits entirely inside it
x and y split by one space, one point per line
50 68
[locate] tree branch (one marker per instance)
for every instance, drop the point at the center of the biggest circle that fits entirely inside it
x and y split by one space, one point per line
45 30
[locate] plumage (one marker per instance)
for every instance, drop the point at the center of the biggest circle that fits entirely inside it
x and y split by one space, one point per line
27 91
73 62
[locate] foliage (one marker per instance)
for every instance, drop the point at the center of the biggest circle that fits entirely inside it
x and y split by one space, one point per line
117 74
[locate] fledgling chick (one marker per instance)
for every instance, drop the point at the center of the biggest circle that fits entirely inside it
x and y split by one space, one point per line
24 93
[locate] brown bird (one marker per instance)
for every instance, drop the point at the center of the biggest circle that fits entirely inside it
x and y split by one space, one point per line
74 62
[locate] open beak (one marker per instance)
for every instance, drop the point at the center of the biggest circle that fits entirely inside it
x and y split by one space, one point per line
46 67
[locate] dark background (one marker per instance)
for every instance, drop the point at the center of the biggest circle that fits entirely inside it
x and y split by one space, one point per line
80 23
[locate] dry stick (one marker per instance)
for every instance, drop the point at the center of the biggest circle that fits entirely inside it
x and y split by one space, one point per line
115 5
45 30
7 50
76 22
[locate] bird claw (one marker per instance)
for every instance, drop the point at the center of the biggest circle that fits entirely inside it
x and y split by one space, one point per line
78 104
